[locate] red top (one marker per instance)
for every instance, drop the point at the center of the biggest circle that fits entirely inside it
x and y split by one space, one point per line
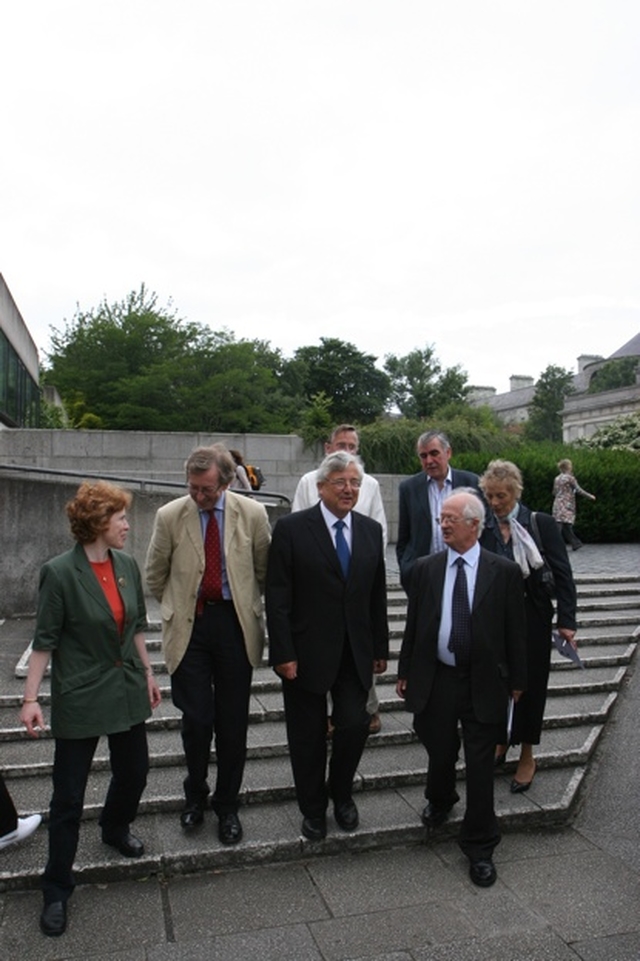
104 572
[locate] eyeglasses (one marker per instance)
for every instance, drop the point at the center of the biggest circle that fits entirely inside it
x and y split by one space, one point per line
450 519
205 491
341 483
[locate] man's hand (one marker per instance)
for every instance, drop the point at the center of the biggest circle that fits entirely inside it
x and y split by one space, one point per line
569 636
401 687
288 670
379 667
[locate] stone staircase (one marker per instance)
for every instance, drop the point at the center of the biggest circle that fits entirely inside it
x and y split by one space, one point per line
390 781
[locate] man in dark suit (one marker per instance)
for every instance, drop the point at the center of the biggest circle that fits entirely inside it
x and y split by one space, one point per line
421 498
462 655
327 623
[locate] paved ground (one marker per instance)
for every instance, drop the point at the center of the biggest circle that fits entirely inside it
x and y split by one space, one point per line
568 894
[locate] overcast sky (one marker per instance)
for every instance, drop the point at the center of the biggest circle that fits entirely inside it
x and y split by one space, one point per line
394 173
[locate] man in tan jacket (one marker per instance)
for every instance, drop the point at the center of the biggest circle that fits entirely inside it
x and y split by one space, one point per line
209 586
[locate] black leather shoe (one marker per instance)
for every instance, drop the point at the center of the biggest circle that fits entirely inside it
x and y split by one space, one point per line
483 873
314 829
346 815
229 828
433 816
53 920
192 816
128 845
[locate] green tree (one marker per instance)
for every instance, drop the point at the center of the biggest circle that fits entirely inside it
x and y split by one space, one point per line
358 390
418 384
316 422
614 374
134 366
545 421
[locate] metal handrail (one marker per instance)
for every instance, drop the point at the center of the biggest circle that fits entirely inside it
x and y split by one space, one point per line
143 482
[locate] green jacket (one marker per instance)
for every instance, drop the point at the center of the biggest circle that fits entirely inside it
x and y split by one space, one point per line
98 683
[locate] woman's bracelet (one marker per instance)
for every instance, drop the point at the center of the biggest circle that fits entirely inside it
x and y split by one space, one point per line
29 700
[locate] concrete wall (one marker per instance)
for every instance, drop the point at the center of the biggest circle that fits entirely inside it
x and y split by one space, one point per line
155 456
34 527
33 522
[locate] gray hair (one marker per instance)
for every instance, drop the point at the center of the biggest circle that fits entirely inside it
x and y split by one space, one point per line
473 508
339 460
430 435
217 455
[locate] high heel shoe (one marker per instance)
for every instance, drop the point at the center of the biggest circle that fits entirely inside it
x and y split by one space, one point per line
519 787
500 759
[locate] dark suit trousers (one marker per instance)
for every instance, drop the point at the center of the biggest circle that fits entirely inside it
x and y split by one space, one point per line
8 813
212 687
129 759
437 728
306 718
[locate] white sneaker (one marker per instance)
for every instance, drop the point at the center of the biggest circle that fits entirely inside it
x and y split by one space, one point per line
26 826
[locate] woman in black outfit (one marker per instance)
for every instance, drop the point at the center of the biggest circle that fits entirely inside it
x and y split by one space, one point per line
508 532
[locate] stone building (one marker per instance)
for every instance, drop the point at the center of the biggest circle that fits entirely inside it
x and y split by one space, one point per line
583 413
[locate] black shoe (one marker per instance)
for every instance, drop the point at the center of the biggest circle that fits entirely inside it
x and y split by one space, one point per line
346 815
53 920
314 829
483 873
519 787
192 816
229 828
128 845
435 815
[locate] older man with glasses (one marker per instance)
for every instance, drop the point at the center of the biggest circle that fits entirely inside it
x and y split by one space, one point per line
327 619
462 657
206 564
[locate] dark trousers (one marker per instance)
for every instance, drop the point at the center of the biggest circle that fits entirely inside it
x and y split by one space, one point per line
306 718
129 758
8 813
437 728
212 687
569 536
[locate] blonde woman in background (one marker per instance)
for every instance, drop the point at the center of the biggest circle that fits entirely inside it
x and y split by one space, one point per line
565 488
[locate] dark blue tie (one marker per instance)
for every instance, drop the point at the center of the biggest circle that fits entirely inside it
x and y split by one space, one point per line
460 637
341 548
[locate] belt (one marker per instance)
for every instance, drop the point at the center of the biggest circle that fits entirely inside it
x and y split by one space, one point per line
200 606
462 672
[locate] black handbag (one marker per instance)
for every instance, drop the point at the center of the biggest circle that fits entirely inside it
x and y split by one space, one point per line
546 574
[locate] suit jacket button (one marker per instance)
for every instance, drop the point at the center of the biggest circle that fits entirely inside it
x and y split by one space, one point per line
118 663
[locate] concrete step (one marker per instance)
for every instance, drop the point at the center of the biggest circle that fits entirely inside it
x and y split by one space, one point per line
605 665
389 783
388 817
24 757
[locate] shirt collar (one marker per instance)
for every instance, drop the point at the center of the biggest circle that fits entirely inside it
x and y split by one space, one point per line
470 557
219 504
330 519
448 479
